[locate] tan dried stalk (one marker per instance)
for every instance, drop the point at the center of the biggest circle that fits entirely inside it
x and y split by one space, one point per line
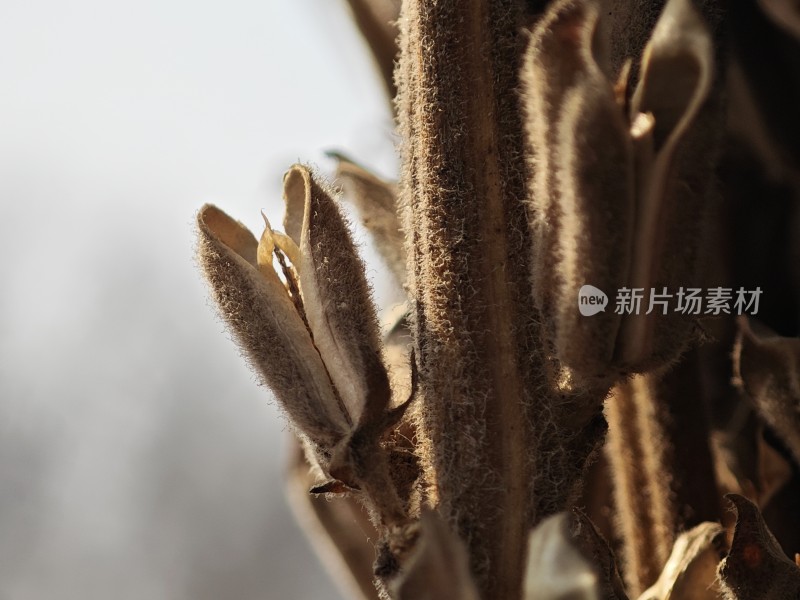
500 446
545 146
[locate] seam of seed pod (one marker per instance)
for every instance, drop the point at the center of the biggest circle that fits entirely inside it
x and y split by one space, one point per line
635 519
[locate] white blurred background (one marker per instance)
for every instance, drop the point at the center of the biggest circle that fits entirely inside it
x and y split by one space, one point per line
138 457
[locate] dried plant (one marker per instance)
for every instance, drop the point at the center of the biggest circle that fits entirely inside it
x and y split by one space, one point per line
496 442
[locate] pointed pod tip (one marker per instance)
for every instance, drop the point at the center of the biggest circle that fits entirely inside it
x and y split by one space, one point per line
266 220
338 155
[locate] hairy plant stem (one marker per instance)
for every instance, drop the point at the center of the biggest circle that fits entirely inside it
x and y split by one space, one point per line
491 426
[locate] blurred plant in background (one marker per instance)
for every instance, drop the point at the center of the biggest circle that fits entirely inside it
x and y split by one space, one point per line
494 442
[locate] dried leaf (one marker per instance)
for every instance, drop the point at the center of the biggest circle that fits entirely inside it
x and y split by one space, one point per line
257 308
756 567
767 367
691 570
376 201
438 568
339 528
376 19
336 297
569 560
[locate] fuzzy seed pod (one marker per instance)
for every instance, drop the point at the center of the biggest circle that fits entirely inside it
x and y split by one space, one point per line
256 306
315 339
336 297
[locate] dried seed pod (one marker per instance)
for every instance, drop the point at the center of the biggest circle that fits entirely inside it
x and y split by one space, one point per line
320 349
664 476
376 19
336 296
637 451
256 306
756 566
617 205
583 188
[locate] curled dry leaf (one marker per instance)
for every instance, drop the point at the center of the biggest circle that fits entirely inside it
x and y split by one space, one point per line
675 128
756 566
691 570
767 367
569 560
438 568
376 20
